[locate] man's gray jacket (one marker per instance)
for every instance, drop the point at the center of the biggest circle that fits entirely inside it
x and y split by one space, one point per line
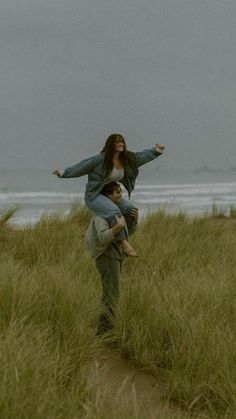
100 239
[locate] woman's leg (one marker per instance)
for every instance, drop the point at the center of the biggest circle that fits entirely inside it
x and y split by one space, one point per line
126 207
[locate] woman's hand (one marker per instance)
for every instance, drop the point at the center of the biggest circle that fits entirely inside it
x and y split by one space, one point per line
161 147
56 172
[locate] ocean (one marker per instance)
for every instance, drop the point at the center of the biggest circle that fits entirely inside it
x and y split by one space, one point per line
36 193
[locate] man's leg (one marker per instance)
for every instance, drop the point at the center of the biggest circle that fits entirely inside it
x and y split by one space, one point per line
109 270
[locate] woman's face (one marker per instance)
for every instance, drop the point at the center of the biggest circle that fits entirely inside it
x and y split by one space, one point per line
119 144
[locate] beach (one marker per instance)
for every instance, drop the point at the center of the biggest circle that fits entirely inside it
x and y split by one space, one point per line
38 192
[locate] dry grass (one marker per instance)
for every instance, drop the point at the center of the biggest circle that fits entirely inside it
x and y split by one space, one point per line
176 317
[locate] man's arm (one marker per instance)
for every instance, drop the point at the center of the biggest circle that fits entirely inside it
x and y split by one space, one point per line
107 234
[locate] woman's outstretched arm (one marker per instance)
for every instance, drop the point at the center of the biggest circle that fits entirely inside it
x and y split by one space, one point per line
150 154
79 169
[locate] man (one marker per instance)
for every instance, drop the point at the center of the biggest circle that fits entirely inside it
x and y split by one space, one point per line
108 255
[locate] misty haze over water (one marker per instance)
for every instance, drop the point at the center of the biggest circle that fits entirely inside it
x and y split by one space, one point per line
161 71
157 71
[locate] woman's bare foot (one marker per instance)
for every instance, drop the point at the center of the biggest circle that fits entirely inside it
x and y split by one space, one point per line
127 249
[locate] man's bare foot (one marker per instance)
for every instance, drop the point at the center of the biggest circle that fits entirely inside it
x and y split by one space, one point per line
128 250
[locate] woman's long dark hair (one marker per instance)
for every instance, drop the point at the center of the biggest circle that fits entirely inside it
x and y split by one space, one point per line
127 158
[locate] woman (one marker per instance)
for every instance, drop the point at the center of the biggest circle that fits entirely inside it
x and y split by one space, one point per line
114 164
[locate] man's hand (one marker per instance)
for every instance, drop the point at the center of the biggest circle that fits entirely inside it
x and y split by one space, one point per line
161 147
120 222
134 213
119 225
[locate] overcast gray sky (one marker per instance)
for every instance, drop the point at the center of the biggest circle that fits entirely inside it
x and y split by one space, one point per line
73 71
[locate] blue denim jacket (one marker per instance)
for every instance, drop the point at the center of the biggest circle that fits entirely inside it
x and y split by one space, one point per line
93 167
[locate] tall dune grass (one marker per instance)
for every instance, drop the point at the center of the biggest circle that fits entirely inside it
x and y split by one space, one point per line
176 317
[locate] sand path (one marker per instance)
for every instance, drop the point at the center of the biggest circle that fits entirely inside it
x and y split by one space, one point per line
120 383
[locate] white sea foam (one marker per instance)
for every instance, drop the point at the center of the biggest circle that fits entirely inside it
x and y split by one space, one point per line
38 197
219 185
191 198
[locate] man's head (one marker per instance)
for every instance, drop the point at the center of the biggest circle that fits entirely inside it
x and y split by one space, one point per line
113 191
